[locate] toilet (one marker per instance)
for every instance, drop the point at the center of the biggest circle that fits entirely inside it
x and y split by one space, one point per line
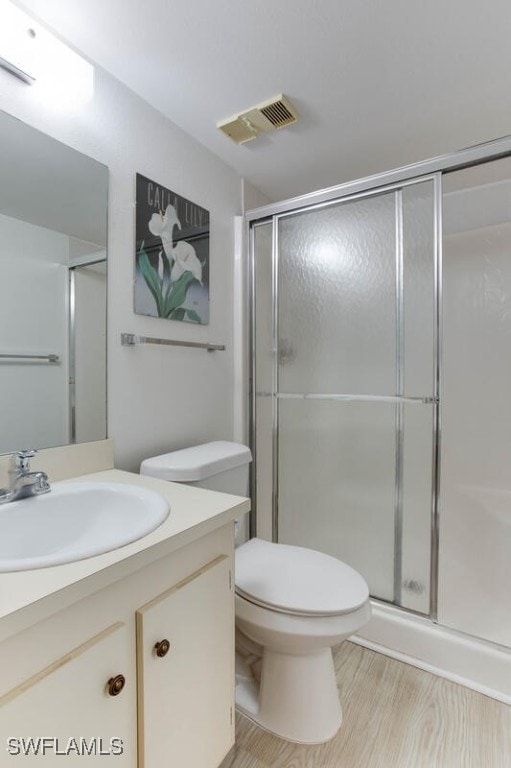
293 605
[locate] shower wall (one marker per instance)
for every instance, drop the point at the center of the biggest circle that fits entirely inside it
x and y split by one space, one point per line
475 499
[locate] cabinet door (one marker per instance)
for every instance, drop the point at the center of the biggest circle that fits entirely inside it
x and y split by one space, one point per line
186 696
66 713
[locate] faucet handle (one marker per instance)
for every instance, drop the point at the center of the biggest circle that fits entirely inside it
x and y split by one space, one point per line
21 459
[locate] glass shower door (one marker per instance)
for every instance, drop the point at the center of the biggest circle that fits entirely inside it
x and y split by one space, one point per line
337 336
353 405
475 541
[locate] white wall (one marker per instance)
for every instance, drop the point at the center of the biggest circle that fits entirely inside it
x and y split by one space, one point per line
250 198
158 398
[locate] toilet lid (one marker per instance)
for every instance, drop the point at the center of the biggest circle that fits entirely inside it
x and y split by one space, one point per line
297 580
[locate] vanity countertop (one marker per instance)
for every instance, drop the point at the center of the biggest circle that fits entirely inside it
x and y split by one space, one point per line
28 596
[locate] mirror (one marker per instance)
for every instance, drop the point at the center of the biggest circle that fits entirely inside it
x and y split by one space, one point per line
53 238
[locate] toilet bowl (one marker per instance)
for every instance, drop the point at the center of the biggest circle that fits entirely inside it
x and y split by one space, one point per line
292 606
295 605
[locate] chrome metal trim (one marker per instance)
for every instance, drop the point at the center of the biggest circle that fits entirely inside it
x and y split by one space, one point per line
87 262
346 397
489 150
106 315
393 606
399 416
276 357
129 340
437 423
252 432
46 358
72 356
385 189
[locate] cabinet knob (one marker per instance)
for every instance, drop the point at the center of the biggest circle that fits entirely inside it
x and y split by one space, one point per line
162 648
116 685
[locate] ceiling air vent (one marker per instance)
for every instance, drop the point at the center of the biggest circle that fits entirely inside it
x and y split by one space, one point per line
268 116
278 113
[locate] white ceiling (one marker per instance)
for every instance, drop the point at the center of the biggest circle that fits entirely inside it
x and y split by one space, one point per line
377 83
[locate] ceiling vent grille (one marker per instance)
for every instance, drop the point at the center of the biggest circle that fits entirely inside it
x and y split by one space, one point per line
278 114
268 116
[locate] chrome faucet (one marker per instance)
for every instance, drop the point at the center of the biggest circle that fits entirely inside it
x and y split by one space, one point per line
23 482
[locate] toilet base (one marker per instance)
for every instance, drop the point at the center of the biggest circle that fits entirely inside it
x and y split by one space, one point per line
296 698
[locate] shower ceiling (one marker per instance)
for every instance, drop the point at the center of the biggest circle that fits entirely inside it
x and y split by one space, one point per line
376 84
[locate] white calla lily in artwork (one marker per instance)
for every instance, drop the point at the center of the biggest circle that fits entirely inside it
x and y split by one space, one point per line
162 225
186 260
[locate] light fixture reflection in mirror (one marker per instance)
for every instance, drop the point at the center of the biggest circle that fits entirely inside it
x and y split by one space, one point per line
53 223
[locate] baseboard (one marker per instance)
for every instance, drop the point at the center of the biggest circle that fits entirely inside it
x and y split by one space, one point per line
476 664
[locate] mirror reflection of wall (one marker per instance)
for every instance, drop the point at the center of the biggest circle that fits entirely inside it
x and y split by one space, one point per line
87 346
53 214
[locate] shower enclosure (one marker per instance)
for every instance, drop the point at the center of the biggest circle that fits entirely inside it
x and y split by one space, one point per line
381 317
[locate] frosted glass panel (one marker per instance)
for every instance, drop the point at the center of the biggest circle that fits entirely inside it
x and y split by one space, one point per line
263 377
355 300
417 471
337 483
263 308
475 521
418 289
337 298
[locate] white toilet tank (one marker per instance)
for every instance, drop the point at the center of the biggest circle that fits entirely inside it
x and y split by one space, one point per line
219 466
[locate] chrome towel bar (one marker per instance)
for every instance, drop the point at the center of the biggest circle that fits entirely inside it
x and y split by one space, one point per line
46 358
129 340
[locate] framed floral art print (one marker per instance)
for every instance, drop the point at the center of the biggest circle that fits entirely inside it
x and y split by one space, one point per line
171 256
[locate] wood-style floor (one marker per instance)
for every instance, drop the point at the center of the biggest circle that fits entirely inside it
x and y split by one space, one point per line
395 716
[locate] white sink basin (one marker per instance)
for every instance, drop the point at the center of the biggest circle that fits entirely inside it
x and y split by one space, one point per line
74 521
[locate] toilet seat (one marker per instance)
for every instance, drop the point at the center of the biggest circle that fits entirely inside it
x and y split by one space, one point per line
297 581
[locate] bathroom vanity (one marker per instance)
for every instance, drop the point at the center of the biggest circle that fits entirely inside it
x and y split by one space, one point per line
129 653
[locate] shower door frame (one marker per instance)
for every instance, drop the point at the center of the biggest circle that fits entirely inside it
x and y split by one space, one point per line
395 180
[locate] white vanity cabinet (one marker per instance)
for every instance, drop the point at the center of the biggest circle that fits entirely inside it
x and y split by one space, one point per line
72 707
185 658
59 677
